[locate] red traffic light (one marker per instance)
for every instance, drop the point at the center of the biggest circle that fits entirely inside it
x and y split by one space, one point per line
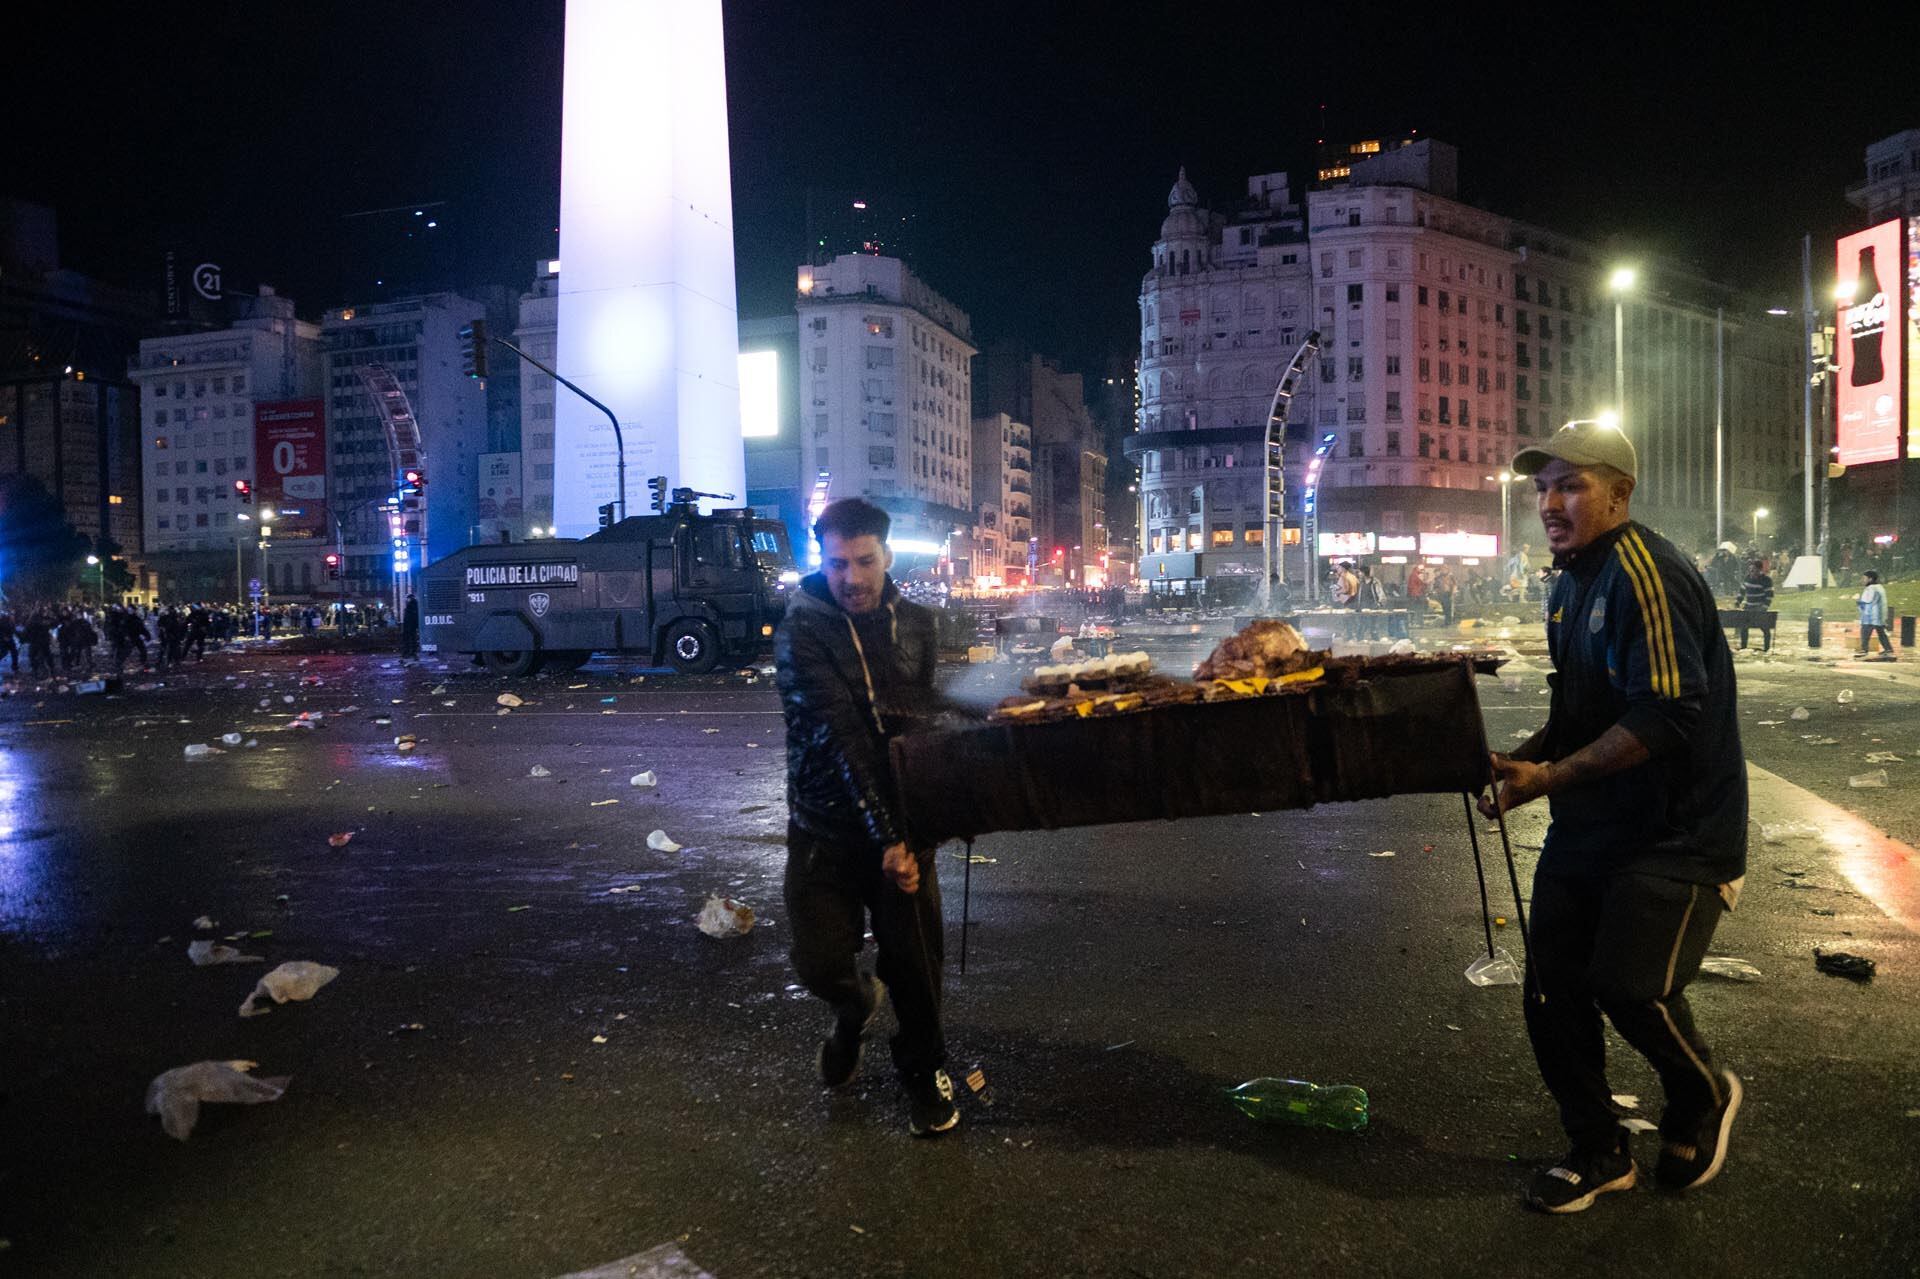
243 490
333 561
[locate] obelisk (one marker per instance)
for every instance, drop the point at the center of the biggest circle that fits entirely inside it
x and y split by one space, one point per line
648 318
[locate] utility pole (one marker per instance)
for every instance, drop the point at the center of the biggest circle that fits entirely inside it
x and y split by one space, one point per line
1719 424
1806 356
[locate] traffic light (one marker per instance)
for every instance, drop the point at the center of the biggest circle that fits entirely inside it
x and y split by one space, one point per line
243 491
333 568
658 487
412 480
606 516
473 348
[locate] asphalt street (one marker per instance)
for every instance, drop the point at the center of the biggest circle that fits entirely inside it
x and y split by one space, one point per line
533 1062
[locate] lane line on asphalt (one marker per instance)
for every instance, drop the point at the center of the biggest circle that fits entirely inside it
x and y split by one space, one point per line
572 714
1881 868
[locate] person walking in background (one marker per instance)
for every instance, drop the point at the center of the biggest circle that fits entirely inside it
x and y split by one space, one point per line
1445 587
1873 616
1756 600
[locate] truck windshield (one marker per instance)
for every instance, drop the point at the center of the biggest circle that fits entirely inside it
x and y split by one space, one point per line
770 544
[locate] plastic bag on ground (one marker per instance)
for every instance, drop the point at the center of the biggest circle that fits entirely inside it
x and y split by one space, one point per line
1841 964
206 952
1497 969
1729 967
1845 697
200 750
1800 713
725 917
539 770
176 1095
664 1262
296 980
660 842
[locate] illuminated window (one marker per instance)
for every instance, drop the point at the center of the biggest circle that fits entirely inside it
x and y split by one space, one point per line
1254 535
1223 535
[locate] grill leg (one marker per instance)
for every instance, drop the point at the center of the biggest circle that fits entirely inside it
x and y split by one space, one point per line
1479 873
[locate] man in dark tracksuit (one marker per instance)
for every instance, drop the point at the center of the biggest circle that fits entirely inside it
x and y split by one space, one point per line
1641 758
855 666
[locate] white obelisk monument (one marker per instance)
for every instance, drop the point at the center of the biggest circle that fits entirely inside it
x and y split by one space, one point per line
648 319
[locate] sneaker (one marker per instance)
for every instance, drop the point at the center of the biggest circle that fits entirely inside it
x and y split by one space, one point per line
1577 1180
840 1052
930 1108
1684 1165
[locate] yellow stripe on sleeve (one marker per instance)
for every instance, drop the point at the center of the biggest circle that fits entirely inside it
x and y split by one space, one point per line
1666 610
1663 670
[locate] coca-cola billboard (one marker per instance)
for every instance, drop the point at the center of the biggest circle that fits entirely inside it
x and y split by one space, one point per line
1868 332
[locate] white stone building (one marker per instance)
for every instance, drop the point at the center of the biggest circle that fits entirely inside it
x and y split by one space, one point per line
197 398
1003 499
886 400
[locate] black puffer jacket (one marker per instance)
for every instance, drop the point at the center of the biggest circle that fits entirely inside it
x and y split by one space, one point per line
841 712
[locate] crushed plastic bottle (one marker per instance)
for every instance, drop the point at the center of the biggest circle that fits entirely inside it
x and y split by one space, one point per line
1876 780
1497 969
1342 1107
1729 967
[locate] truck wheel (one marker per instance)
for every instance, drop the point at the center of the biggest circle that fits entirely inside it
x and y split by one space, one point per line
568 659
691 649
510 662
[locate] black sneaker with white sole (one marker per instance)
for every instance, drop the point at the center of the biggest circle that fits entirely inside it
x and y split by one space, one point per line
840 1052
1686 1164
930 1108
1577 1180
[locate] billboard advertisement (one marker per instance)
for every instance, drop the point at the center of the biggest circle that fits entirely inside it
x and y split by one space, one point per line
1913 337
290 467
1870 271
499 487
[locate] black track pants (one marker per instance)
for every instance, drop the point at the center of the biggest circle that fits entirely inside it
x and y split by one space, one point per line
830 891
1626 945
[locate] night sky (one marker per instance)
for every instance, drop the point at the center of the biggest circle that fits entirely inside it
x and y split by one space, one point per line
1035 142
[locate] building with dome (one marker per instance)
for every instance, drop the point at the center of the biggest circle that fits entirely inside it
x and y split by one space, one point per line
1223 310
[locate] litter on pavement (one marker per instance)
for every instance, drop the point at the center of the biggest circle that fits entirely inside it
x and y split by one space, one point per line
644 780
664 1262
1841 964
340 840
200 750
1845 697
1801 713
1876 780
508 699
1728 967
539 770
230 739
1884 757
204 953
659 842
724 917
1497 969
297 980
176 1095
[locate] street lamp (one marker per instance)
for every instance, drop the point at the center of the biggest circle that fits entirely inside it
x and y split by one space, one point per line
266 533
239 542
1759 513
1506 515
1619 283
93 561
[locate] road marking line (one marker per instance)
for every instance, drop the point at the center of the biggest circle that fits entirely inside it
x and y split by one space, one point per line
1881 868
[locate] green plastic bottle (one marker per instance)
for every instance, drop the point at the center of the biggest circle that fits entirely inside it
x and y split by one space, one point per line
1342 1107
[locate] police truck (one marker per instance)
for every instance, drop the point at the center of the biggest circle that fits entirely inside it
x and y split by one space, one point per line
677 588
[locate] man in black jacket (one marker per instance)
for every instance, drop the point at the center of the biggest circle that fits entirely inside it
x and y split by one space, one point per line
1641 758
1756 601
855 666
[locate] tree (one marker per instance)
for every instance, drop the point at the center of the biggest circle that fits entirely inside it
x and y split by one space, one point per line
119 577
41 555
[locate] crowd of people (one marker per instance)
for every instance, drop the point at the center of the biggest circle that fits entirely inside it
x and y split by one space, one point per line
64 641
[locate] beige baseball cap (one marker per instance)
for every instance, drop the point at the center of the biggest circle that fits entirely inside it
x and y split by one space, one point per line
1582 443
